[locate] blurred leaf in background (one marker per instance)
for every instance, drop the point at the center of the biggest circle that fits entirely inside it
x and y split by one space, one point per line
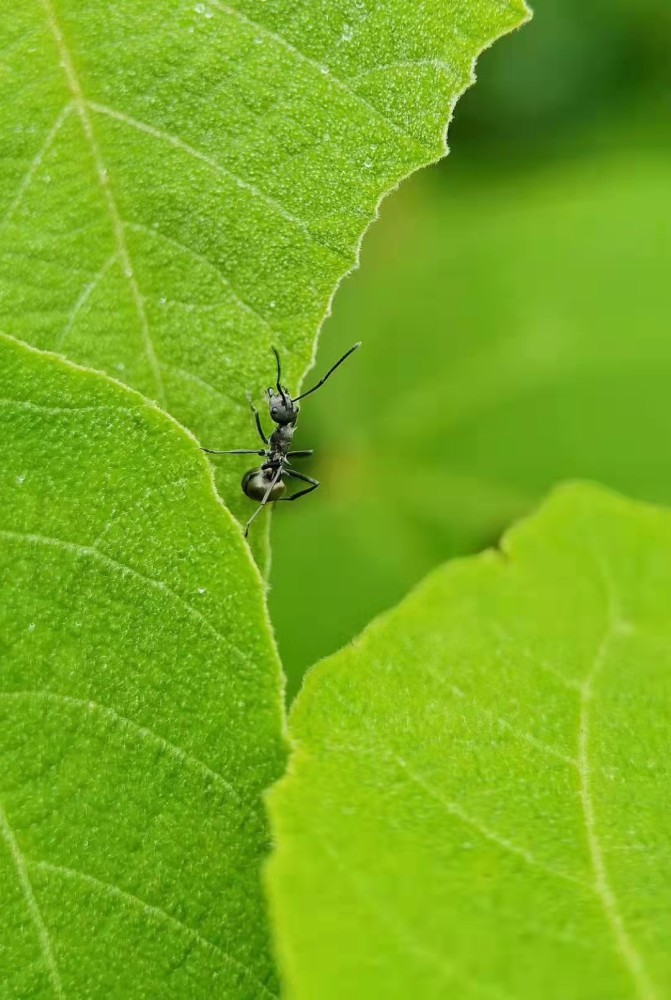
553 89
514 312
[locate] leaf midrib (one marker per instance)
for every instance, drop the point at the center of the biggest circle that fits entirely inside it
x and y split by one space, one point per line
117 225
631 958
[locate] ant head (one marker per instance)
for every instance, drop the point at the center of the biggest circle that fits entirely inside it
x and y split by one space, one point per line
281 407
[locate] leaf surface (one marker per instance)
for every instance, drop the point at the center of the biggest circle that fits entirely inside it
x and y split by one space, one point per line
477 805
516 335
140 702
183 185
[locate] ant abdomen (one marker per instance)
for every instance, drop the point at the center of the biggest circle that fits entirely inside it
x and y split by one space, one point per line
256 482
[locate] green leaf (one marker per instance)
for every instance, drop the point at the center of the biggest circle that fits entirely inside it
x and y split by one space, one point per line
140 702
478 800
184 184
516 335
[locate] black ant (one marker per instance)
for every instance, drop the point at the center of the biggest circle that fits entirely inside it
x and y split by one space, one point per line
265 484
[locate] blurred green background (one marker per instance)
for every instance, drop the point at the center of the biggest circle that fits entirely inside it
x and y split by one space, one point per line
514 302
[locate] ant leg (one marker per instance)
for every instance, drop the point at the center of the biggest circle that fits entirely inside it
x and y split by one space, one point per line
249 523
301 475
300 454
258 510
301 493
259 428
314 483
237 451
257 418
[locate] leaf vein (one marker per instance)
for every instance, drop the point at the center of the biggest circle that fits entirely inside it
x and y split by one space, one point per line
198 380
83 297
155 912
454 809
404 937
324 70
88 551
36 163
225 280
27 404
144 732
177 143
631 958
440 64
501 722
31 901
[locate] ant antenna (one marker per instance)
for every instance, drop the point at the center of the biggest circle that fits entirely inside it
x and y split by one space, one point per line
329 372
279 376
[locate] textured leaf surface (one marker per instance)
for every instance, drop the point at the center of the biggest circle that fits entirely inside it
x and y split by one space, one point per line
516 334
140 702
183 184
478 802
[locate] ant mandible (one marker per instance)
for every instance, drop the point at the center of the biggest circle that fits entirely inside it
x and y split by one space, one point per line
265 484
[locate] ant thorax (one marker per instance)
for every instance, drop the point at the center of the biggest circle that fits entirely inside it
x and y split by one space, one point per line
280 439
